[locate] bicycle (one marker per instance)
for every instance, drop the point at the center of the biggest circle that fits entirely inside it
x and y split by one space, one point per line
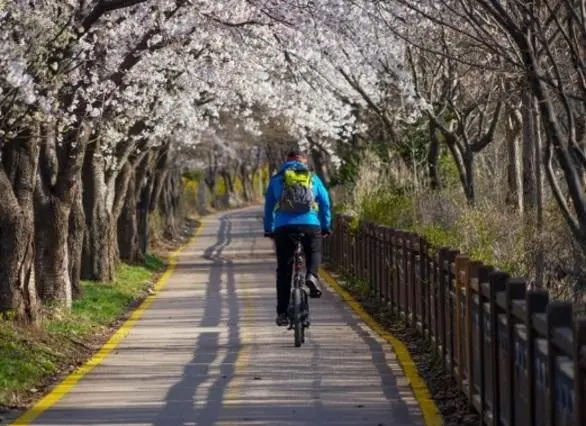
298 311
299 302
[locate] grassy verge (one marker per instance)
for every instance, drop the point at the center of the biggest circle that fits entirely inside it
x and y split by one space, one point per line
31 359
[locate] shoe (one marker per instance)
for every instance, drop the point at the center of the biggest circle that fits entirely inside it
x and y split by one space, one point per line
311 281
282 320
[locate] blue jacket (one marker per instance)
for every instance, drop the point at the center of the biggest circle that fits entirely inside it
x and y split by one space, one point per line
276 219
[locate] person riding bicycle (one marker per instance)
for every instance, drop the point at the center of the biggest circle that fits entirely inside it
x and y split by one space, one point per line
296 202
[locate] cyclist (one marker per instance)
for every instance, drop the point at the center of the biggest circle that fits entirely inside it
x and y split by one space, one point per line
296 201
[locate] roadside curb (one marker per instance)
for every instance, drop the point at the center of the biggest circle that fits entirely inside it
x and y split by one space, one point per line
69 382
429 409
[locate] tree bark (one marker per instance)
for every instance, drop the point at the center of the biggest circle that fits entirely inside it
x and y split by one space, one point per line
469 188
433 158
58 180
99 253
540 255
145 196
247 190
169 204
128 239
159 176
17 276
77 233
529 189
210 179
52 251
514 195
228 181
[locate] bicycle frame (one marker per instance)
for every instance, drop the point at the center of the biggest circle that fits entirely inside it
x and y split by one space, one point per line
298 263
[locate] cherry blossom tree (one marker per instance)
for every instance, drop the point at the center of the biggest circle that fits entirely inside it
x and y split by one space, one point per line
96 100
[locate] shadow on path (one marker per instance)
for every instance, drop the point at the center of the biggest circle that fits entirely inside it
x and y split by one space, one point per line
402 413
180 407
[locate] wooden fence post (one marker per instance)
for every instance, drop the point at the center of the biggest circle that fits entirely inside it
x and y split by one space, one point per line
498 282
372 254
473 269
351 249
442 302
451 309
462 264
579 371
483 277
515 290
425 286
380 261
536 303
392 268
357 245
405 276
559 314
413 242
433 294
397 244
367 256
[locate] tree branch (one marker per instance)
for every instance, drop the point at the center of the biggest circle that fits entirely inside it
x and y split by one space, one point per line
104 7
557 192
487 138
236 24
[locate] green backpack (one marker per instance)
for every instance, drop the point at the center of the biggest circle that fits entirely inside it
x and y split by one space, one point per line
297 191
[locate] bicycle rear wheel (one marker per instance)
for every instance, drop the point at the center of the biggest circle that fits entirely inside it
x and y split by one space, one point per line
297 320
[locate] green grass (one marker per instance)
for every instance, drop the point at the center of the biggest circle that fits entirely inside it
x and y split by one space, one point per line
23 362
358 286
28 357
102 303
153 263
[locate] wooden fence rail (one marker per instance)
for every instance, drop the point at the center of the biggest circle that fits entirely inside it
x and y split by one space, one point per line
519 357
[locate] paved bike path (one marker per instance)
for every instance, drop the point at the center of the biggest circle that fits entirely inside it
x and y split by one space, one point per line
207 352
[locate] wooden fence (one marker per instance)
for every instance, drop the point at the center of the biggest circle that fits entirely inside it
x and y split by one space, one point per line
519 357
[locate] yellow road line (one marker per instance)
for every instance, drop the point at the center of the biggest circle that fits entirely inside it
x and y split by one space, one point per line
65 386
431 414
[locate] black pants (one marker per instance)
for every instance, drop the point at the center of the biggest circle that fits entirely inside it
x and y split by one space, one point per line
285 246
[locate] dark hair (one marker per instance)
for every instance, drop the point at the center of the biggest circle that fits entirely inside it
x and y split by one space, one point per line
295 153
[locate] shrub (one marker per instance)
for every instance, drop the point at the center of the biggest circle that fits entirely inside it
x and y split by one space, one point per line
490 231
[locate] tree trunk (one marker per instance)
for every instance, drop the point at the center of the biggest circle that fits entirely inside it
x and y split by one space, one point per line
514 195
247 189
210 180
469 185
529 194
464 159
56 191
540 256
228 181
17 281
169 204
99 253
143 189
433 158
128 238
52 251
77 233
144 213
160 176
17 179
